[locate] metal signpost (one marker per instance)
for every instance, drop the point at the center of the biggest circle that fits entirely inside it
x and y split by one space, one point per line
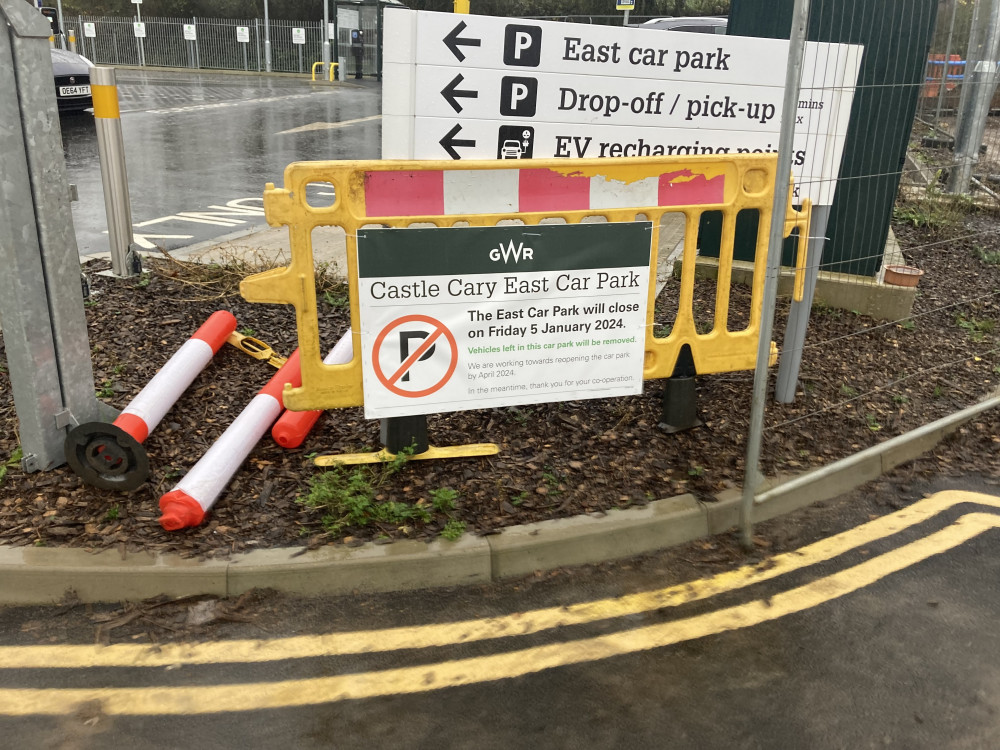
41 302
140 32
267 39
627 6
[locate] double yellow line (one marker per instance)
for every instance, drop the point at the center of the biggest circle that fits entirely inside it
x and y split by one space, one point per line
451 673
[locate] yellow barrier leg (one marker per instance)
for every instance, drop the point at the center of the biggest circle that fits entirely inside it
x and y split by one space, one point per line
386 456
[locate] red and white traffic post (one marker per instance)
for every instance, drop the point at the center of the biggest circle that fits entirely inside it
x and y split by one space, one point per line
196 493
111 456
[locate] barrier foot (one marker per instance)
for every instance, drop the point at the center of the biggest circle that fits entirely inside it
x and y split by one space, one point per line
106 456
680 405
387 456
405 433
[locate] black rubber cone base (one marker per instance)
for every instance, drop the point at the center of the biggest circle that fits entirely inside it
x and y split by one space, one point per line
106 456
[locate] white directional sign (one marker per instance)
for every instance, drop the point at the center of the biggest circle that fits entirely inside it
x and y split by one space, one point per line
485 88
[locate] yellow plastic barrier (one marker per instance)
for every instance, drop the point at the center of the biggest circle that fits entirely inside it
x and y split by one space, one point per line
333 69
404 193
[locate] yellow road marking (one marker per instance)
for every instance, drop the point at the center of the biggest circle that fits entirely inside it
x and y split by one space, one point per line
425 678
468 631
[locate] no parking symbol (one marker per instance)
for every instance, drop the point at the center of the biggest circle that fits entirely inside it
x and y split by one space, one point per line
414 356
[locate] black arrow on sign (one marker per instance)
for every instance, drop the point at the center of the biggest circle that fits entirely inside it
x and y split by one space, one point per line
453 41
451 93
449 142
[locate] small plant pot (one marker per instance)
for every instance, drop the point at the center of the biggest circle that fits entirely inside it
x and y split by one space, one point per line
902 275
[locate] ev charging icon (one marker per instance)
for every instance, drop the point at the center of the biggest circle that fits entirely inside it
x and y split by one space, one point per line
522 45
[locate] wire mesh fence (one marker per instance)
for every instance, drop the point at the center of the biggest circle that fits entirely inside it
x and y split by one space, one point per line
905 326
231 44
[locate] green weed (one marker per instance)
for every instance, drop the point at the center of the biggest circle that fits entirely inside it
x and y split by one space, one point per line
848 390
933 211
247 331
900 399
453 530
112 514
13 461
991 257
519 498
337 298
872 422
551 482
907 325
696 471
977 329
347 497
443 499
106 390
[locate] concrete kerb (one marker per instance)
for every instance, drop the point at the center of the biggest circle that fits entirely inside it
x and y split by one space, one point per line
30 575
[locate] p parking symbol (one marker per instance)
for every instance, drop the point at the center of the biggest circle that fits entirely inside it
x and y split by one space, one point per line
518 96
406 342
522 45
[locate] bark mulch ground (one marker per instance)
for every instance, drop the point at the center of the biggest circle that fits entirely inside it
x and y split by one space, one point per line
862 381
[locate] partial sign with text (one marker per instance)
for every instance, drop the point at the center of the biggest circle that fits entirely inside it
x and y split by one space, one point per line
480 317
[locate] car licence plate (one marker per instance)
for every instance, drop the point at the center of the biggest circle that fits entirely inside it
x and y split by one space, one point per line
74 90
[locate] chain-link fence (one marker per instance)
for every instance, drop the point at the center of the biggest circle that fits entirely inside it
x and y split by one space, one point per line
233 44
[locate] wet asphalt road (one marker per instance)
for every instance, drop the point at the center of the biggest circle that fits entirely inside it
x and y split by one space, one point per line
888 641
197 140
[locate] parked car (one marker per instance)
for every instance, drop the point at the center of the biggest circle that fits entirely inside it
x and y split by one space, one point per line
72 74
697 24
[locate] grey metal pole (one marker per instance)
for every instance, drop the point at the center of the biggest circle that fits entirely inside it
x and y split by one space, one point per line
62 25
139 39
752 476
798 315
947 63
981 81
326 38
267 39
197 42
114 177
44 325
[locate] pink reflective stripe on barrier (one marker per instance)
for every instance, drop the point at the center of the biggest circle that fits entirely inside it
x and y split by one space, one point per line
685 189
416 193
473 191
548 190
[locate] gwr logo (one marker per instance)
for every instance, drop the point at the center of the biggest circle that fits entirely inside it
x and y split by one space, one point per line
517 253
522 45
